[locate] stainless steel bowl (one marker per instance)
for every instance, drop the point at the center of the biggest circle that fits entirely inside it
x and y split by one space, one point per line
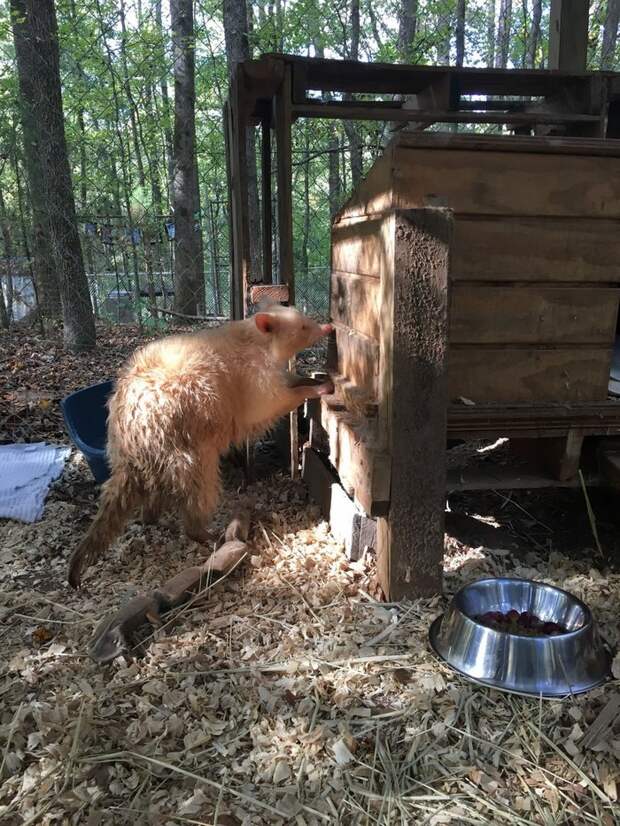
551 666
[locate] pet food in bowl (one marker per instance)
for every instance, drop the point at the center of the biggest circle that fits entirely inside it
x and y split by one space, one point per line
523 637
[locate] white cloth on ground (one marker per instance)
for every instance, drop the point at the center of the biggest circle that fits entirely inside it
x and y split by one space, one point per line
26 472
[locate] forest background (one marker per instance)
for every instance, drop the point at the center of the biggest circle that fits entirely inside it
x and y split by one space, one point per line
125 209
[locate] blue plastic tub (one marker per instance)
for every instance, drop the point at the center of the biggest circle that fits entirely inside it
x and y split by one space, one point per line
85 414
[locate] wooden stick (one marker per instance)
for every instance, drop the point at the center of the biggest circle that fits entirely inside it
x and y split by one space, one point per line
114 633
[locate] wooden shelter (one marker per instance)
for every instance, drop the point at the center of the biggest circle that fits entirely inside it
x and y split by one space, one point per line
444 228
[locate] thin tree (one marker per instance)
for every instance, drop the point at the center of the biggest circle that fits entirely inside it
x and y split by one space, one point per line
460 32
333 148
503 34
189 283
355 144
35 33
6 305
533 38
163 88
407 28
490 33
610 34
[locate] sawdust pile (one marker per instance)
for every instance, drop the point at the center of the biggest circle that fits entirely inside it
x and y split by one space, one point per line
290 695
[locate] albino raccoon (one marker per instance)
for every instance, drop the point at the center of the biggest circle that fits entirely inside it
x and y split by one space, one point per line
181 402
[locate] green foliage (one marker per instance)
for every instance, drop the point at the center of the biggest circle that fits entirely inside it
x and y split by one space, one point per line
117 95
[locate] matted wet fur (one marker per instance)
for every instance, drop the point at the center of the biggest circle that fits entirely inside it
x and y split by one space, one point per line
179 404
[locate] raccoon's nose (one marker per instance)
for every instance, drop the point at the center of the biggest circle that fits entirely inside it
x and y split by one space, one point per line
327 329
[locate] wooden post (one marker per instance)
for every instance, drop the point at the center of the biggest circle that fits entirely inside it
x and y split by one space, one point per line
283 120
236 288
568 35
266 199
413 401
237 125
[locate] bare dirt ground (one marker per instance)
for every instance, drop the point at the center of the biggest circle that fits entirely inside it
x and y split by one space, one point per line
289 695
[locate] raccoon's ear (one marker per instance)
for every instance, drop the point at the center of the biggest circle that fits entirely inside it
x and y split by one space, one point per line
265 322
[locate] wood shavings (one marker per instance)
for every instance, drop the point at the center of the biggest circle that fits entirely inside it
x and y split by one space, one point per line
289 695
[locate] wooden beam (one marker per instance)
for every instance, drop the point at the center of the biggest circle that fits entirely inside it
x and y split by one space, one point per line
512 143
344 111
283 120
413 403
568 35
540 420
274 292
330 75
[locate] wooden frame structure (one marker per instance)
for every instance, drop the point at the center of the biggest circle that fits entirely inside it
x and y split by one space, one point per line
271 93
274 91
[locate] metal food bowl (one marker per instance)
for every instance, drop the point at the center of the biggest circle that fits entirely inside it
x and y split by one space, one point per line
552 666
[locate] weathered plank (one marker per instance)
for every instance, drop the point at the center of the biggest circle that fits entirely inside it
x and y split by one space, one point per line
355 301
513 144
415 317
374 193
524 315
540 420
364 470
359 247
501 183
358 359
528 374
347 523
278 293
536 249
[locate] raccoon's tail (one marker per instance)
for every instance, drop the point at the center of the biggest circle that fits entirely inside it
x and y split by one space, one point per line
119 497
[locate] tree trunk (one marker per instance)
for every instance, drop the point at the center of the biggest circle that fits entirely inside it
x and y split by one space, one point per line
503 34
333 149
217 298
163 88
125 161
36 44
355 144
460 32
490 40
22 224
6 309
444 32
47 289
189 290
407 27
534 34
4 316
133 109
610 35
237 50
6 304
